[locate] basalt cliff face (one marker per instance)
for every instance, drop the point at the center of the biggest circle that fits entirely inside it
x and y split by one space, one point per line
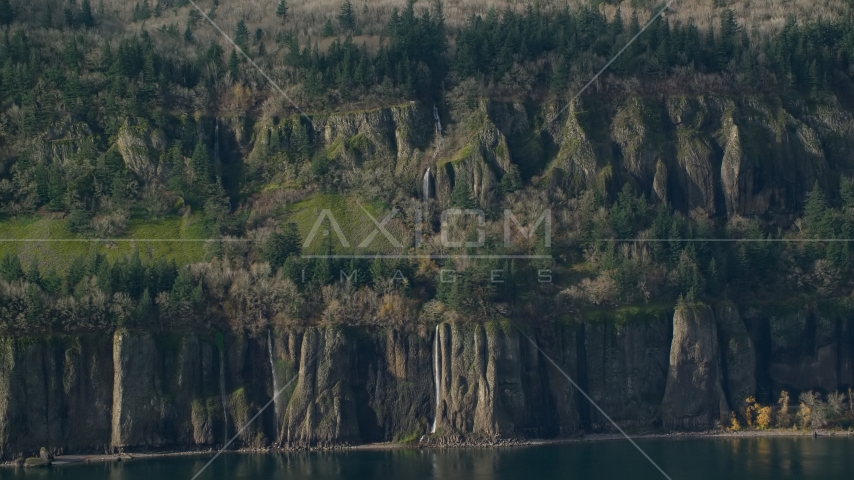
724 154
349 385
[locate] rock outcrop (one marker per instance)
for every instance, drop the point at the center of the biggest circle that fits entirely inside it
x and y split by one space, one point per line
725 155
482 161
694 397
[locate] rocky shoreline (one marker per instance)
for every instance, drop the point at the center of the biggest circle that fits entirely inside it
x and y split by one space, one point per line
448 442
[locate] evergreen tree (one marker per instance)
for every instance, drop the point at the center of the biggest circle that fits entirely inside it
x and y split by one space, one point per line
202 170
728 33
241 36
30 113
813 79
141 11
461 195
846 191
85 17
51 282
183 286
70 17
299 140
282 10
617 25
76 272
362 74
148 89
560 76
10 268
144 309
282 245
816 211
234 65
161 276
328 29
622 216
46 19
107 58
7 14
347 17
217 210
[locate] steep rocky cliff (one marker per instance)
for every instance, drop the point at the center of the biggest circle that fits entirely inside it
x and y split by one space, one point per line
493 383
694 396
724 154
626 370
350 385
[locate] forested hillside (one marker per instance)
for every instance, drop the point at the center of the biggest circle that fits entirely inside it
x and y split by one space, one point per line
159 129
400 215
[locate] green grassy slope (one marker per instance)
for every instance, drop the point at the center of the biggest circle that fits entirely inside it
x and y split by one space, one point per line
53 245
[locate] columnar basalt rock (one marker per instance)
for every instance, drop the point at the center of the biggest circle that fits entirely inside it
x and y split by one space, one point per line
738 355
694 397
55 392
626 371
346 385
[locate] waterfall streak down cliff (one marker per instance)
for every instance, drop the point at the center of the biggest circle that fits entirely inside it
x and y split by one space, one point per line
222 394
437 376
426 194
277 404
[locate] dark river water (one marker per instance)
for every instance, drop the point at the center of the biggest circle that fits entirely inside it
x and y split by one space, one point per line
702 458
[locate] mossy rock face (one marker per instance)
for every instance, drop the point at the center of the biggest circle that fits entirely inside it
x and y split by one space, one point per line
36 462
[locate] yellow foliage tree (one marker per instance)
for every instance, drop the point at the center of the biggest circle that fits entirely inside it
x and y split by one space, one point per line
734 426
763 418
804 415
783 418
750 411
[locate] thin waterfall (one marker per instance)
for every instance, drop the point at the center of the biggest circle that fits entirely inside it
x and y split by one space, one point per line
276 402
437 378
222 395
438 121
427 185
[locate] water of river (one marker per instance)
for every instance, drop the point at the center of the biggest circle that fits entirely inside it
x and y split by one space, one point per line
695 459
